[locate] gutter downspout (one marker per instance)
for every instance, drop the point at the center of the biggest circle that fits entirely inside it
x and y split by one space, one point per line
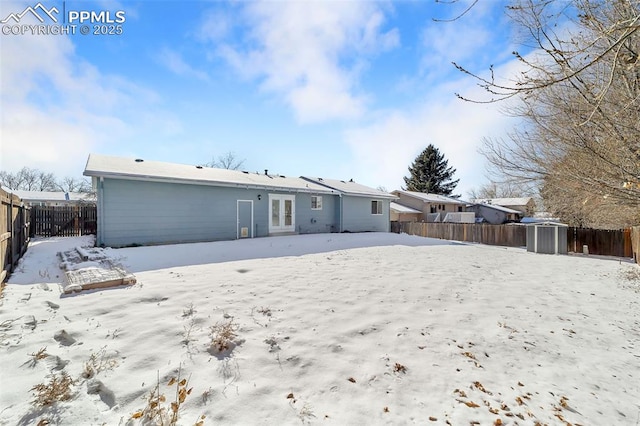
100 221
341 216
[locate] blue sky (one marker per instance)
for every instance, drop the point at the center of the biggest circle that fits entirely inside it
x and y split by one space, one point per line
336 89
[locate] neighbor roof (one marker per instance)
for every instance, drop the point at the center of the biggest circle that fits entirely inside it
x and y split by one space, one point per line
350 188
499 208
139 169
399 208
429 198
51 195
522 201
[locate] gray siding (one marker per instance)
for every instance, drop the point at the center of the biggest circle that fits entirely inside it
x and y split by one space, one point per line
316 221
357 217
142 212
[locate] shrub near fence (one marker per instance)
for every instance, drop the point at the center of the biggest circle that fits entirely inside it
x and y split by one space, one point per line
14 232
496 235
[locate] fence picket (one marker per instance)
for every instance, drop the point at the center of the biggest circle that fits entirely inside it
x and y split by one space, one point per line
620 243
63 221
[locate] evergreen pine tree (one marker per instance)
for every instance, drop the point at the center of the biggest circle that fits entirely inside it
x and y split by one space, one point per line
430 173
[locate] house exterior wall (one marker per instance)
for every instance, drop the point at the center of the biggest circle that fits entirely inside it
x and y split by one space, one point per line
444 208
412 202
527 210
405 217
492 216
357 217
310 221
425 207
143 212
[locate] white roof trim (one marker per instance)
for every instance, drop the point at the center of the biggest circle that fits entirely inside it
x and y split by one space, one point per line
155 171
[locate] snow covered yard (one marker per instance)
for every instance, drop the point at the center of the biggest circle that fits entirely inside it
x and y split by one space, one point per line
328 329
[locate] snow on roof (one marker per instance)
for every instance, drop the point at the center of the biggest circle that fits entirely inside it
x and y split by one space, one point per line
399 208
119 167
522 201
51 195
430 198
350 187
499 208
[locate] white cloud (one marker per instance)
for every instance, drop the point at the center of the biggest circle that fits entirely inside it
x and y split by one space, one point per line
57 108
176 64
385 149
309 54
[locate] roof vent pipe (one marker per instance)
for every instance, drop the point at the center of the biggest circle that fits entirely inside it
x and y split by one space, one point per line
266 172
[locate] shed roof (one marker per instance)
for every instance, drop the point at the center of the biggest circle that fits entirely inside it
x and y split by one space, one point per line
430 198
138 169
350 188
399 208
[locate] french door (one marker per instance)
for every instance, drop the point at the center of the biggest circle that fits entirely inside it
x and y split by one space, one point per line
282 213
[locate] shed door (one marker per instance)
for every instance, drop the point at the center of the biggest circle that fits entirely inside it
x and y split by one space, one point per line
245 219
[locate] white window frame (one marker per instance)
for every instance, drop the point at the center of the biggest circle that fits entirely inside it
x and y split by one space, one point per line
378 209
318 199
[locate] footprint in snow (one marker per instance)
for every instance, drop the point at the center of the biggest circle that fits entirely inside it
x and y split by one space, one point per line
52 305
55 363
96 387
29 322
64 338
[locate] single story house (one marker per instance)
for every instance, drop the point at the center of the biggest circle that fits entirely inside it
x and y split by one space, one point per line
525 205
433 207
494 214
400 213
53 198
149 202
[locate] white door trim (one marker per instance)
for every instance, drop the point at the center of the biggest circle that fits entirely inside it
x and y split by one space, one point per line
238 231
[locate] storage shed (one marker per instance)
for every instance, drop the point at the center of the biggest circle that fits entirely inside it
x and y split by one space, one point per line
547 238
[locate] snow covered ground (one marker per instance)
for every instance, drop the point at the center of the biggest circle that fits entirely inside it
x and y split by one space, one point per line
340 329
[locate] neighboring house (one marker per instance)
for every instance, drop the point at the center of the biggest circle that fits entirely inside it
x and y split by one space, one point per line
400 213
493 214
433 207
525 205
49 198
150 202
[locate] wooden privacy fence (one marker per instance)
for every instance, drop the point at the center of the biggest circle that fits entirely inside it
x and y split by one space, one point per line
635 243
63 221
14 232
496 235
620 243
600 241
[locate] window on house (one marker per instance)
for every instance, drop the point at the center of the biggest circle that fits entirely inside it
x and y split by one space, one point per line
316 202
376 207
459 208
